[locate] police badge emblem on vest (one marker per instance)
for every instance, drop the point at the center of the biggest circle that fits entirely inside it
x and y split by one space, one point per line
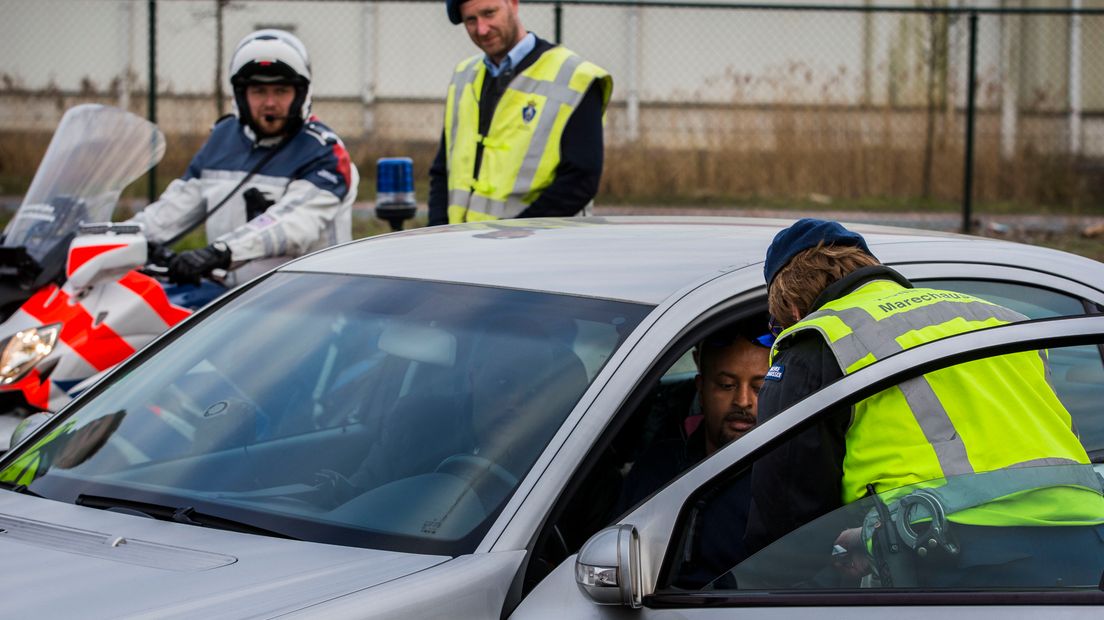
529 111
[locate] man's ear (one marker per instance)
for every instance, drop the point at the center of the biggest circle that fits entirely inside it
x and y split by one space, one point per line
795 315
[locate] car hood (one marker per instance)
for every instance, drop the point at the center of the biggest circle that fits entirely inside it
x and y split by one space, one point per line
60 560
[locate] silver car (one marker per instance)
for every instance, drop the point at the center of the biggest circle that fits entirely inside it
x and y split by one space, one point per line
437 423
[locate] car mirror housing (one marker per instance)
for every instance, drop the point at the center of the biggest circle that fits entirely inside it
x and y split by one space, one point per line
607 568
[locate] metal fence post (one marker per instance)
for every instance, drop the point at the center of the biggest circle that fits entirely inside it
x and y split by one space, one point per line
152 89
1074 88
971 113
220 6
557 13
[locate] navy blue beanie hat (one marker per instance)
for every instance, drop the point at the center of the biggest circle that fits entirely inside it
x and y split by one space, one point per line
452 7
804 234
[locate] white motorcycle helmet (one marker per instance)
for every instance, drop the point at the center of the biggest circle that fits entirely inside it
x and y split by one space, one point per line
272 57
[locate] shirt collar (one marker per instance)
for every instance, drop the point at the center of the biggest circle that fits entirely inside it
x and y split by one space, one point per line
513 57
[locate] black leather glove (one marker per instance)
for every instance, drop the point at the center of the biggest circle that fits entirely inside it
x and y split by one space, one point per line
159 254
188 267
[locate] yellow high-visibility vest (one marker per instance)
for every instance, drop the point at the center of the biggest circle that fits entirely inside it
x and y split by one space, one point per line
522 147
979 416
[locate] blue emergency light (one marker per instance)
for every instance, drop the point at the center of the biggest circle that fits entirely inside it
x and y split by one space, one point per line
395 190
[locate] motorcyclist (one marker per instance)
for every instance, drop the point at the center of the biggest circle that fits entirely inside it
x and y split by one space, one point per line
271 182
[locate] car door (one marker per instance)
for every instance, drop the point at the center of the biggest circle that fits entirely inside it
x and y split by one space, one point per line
644 551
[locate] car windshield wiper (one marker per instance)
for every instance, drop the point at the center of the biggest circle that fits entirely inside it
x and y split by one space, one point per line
18 488
182 514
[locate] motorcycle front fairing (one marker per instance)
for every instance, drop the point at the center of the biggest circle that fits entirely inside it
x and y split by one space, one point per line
103 313
66 331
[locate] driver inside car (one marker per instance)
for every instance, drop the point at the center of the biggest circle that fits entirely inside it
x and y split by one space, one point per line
732 363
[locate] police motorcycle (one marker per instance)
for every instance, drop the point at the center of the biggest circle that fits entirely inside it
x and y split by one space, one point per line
88 300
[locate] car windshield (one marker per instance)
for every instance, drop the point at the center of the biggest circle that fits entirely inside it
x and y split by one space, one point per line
362 411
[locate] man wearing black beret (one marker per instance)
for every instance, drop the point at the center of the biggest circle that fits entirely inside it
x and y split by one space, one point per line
523 124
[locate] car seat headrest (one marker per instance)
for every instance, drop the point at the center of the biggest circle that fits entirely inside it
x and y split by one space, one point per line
419 343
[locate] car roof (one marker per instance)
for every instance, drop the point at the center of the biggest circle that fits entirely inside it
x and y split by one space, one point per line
642 259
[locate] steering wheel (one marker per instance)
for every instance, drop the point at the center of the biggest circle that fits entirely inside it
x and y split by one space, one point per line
489 480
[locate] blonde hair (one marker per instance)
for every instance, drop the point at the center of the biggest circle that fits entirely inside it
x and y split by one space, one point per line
808 273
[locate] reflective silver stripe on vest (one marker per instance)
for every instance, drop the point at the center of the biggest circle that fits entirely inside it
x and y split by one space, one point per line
461 80
935 423
500 209
1045 462
883 334
880 339
557 92
1046 370
459 196
483 204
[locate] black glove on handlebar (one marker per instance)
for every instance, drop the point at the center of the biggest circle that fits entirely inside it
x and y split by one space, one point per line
188 267
159 254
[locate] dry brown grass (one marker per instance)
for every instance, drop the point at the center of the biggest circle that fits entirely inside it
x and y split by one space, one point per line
877 161
808 152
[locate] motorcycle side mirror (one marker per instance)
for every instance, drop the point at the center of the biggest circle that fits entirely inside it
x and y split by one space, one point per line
607 569
104 252
28 426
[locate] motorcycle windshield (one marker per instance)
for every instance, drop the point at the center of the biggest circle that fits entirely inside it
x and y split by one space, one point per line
96 152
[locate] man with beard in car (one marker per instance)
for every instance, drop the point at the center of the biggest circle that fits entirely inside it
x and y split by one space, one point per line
732 364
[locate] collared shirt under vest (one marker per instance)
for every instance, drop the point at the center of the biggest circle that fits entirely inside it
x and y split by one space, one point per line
984 415
520 150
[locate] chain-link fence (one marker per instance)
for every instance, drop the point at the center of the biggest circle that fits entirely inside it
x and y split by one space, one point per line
769 104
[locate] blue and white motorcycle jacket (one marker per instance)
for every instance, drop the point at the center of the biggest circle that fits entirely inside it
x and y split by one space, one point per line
311 181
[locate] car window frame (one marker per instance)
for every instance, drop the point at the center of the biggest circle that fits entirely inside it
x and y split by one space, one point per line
657 523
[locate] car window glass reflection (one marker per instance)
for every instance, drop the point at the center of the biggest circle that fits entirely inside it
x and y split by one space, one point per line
373 412
910 541
1077 373
1030 301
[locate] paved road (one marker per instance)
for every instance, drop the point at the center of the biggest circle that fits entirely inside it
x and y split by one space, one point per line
952 222
929 221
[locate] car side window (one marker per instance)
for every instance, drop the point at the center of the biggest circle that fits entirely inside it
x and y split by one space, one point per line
592 343
1077 372
1030 301
1036 520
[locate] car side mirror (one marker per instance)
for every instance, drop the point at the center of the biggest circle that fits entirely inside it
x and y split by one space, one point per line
28 426
607 568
